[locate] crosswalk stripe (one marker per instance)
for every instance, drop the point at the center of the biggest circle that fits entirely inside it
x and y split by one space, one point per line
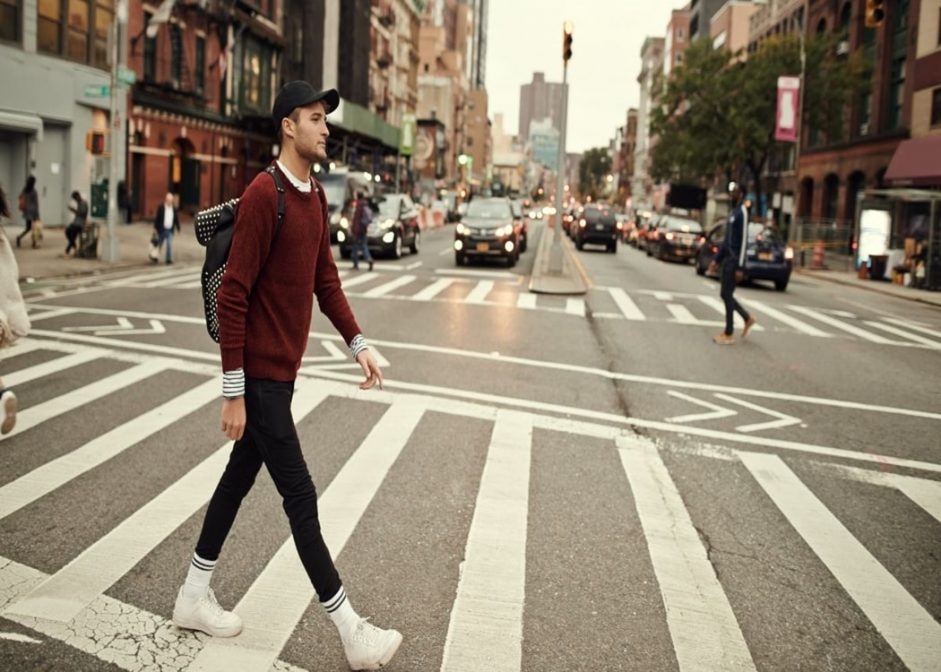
925 493
56 473
173 280
681 314
626 304
904 623
190 285
387 287
848 328
67 592
718 306
904 334
480 292
784 318
21 348
913 326
48 368
69 401
142 280
486 627
526 301
358 280
575 307
432 290
278 598
705 632
50 314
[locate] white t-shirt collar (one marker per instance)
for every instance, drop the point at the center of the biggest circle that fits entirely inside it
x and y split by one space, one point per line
300 185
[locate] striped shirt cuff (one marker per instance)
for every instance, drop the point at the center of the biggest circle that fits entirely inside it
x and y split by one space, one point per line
233 384
357 345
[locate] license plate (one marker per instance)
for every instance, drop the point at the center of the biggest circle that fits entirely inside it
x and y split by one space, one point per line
765 256
483 247
599 227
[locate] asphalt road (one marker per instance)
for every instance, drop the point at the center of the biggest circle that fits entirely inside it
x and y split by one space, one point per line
546 483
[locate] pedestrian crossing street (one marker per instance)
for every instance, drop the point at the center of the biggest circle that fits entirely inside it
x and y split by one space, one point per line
461 499
397 282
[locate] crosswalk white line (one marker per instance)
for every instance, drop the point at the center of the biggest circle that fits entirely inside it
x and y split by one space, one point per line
681 314
173 280
432 290
278 598
848 328
142 280
904 334
486 627
904 623
914 327
67 592
705 632
53 366
784 318
50 314
718 306
480 292
20 348
526 301
189 285
663 296
575 307
477 274
69 401
56 473
626 304
387 287
360 279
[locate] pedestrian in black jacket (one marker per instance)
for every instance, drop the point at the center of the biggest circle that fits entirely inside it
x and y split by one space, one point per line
730 261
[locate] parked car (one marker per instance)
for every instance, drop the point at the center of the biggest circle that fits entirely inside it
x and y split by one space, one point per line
394 226
522 225
767 256
597 225
646 230
676 238
487 230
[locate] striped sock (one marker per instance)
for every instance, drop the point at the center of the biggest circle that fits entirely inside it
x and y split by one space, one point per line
341 613
198 577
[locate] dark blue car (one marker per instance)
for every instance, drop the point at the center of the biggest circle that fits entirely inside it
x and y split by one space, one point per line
767 257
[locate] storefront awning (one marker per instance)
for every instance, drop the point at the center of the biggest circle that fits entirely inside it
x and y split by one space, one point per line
357 119
916 162
22 123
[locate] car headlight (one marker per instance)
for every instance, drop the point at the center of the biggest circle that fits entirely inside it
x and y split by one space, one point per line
344 223
503 231
461 230
389 237
341 237
335 218
386 224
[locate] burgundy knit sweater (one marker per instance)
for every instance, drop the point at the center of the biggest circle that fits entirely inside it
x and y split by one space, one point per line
266 298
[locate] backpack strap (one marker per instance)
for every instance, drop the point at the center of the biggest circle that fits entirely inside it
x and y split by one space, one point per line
279 185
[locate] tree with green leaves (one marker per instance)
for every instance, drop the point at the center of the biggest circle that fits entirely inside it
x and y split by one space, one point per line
592 172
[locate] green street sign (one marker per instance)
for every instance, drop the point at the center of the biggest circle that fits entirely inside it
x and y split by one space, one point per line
407 136
96 91
126 76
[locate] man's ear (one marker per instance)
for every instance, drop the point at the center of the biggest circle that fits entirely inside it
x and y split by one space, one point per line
287 127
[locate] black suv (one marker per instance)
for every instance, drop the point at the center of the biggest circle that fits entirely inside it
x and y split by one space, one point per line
596 225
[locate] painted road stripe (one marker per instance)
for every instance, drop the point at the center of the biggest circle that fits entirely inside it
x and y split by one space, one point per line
718 306
926 493
784 318
70 401
705 633
905 334
361 279
21 348
67 592
276 601
681 314
432 290
171 281
486 627
477 274
575 307
480 292
526 301
51 367
387 287
908 628
663 296
914 327
626 304
49 314
848 328
52 475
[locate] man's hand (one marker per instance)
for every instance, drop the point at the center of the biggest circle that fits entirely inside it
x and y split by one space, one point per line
713 268
233 418
370 370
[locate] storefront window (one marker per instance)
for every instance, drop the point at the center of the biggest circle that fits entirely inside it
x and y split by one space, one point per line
10 20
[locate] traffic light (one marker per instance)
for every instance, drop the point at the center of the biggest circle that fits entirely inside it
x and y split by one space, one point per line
875 13
567 41
95 142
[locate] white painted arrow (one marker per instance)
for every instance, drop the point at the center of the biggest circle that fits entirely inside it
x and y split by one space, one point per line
782 421
716 413
124 327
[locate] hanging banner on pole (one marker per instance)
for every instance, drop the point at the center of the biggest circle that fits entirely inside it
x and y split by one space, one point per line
786 120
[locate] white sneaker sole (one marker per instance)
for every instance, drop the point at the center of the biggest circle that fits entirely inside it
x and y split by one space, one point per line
186 624
386 657
9 413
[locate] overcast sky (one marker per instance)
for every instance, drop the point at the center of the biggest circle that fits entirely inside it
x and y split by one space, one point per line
525 36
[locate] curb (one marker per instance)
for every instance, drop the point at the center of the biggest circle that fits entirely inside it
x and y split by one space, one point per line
874 288
572 280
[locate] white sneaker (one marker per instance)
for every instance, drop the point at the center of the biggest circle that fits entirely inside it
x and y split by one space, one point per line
205 614
7 411
369 647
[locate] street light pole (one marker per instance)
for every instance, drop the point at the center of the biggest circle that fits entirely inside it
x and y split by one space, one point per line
555 255
117 135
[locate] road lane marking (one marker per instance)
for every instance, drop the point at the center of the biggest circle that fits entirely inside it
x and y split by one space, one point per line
17 637
53 366
705 632
173 281
526 301
486 626
358 280
574 306
446 251
782 419
21 347
413 266
663 296
718 306
387 287
907 627
716 412
784 318
849 328
432 290
913 326
626 304
480 292
477 274
276 601
905 334
49 314
681 314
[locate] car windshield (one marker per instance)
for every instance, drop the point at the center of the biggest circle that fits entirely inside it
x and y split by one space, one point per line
334 187
390 206
682 225
594 215
763 233
481 209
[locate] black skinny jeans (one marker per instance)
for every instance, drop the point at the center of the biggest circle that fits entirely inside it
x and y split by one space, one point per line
271 439
29 227
728 295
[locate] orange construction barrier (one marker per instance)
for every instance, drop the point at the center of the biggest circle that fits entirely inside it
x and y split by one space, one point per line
816 261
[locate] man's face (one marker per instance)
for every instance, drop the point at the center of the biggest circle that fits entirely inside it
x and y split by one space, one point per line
169 200
309 132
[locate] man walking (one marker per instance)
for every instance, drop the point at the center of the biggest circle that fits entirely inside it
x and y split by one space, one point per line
362 216
29 207
165 223
264 320
730 260
72 231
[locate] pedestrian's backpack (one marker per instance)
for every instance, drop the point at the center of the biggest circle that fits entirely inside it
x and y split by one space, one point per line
214 229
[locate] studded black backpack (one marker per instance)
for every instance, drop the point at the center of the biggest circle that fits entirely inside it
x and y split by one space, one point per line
214 229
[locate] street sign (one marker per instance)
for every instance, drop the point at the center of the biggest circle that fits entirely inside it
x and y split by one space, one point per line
97 91
126 76
409 130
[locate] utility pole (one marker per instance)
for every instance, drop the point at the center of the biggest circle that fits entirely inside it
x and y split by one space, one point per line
112 251
801 94
555 255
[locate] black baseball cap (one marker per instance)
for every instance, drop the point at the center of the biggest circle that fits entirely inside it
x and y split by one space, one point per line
299 94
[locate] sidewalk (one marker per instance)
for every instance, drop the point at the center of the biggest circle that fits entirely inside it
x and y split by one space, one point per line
887 288
49 261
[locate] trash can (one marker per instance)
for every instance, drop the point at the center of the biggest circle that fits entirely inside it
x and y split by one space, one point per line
877 266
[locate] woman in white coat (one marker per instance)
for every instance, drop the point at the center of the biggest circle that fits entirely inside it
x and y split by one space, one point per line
14 322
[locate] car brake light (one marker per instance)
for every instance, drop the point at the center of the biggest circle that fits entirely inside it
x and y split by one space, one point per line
715 249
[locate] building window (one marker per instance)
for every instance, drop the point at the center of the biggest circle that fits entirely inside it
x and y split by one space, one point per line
10 20
680 35
76 29
939 27
150 53
200 64
176 55
49 28
297 43
898 51
104 16
936 107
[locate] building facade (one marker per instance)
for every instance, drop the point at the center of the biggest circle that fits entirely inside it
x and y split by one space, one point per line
700 16
676 40
926 85
651 55
730 26
540 99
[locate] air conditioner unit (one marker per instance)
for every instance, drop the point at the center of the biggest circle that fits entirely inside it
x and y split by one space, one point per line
843 48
